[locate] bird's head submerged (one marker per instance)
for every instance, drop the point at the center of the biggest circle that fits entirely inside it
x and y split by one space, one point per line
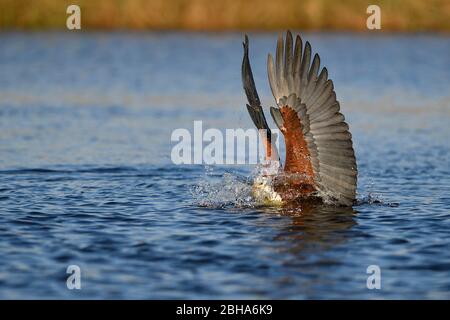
263 185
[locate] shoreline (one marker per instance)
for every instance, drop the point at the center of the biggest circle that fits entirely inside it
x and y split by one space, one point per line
233 15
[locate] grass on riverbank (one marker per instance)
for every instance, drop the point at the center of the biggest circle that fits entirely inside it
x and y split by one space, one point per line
397 15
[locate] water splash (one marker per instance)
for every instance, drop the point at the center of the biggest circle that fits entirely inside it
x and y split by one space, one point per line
229 189
372 197
226 190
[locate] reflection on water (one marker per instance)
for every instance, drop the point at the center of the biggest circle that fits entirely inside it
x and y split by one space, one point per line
316 226
86 177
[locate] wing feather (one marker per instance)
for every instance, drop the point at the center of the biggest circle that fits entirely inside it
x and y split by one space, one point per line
302 85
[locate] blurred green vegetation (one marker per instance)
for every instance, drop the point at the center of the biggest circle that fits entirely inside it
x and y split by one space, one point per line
396 15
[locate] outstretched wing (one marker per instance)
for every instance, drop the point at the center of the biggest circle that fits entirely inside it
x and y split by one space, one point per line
254 106
308 115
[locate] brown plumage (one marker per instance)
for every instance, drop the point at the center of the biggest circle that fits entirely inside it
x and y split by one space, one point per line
319 151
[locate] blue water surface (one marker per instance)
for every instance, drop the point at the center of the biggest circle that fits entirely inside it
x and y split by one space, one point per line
86 176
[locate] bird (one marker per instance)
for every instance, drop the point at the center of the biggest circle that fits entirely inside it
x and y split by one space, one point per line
320 160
